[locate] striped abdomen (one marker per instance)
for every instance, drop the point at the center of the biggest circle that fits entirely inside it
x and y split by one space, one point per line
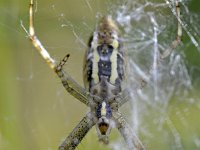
104 63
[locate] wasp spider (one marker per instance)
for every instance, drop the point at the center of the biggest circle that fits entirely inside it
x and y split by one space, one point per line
104 73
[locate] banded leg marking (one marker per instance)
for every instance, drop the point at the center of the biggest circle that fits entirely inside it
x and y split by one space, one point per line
125 97
79 132
129 136
70 85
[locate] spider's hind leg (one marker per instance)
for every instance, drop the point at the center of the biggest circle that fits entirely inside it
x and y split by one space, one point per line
131 139
79 132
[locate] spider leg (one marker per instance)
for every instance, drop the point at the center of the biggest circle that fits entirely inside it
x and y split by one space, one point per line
36 42
168 51
177 41
123 97
129 136
120 99
70 85
75 137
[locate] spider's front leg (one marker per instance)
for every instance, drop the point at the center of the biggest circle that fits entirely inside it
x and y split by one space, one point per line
129 136
70 85
75 137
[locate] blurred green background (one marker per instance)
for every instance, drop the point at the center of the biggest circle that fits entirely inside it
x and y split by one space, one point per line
36 113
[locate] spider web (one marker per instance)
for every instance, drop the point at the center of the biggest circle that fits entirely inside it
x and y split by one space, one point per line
164 113
148 28
148 31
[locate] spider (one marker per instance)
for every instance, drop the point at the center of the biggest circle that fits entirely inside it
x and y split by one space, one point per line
104 74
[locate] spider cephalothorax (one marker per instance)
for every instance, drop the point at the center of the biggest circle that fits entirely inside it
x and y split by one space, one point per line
104 62
104 74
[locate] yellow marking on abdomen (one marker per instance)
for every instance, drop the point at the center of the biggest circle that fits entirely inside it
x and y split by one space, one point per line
95 68
113 60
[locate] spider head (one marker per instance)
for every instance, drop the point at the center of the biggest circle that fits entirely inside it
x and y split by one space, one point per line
107 33
104 124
